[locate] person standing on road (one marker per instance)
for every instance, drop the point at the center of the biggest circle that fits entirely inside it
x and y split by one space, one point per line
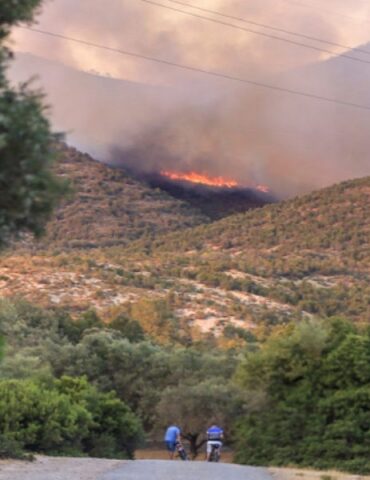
215 436
171 437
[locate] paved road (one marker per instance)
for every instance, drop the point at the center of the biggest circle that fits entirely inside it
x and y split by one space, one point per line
176 470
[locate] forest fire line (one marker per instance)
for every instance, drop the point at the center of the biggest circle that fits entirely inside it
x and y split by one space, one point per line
204 179
200 178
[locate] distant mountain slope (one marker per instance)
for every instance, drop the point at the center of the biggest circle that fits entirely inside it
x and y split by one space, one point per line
312 252
245 273
331 221
107 207
214 202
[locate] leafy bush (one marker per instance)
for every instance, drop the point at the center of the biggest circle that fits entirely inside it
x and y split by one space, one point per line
10 448
68 415
314 381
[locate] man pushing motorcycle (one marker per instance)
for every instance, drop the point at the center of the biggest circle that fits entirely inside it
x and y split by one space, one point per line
215 435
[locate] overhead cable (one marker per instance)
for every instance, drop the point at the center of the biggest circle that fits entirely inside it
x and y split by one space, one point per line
256 32
270 27
319 8
224 76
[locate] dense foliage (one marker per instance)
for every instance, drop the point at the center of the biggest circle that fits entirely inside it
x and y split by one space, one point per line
300 397
197 406
66 416
144 374
29 190
309 398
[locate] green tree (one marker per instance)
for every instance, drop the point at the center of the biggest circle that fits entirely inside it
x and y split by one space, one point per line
129 328
313 384
29 189
196 407
41 419
67 416
74 329
115 431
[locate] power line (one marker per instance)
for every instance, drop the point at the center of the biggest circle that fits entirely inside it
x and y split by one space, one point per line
255 32
200 70
325 10
271 27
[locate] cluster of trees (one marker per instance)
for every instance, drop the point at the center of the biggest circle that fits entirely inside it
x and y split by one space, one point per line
301 396
43 412
160 383
309 398
65 416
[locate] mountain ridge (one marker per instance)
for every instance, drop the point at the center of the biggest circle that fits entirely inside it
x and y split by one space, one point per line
249 272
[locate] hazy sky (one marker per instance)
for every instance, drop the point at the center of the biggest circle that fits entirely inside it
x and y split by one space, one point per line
193 121
141 27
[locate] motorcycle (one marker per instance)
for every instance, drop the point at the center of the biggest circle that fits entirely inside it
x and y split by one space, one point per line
181 452
215 454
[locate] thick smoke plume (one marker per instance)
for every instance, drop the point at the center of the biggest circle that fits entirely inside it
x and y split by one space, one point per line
150 117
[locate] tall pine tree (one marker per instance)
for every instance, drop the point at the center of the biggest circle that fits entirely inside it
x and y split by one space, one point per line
28 188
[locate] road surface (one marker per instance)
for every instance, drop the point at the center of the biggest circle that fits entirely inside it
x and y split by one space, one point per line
176 470
58 468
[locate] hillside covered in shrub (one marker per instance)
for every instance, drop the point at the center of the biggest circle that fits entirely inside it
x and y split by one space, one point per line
311 253
305 257
107 207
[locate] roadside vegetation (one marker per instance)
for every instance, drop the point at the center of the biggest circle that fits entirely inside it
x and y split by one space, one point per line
309 398
97 371
297 397
65 416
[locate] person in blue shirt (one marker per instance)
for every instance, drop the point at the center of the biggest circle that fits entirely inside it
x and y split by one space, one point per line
215 436
171 437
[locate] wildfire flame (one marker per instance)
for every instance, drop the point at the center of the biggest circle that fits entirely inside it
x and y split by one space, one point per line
204 179
201 178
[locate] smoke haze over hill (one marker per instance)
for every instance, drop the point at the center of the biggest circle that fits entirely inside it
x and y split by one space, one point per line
150 116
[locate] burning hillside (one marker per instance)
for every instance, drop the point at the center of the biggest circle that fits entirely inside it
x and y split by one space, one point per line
201 178
215 196
208 180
